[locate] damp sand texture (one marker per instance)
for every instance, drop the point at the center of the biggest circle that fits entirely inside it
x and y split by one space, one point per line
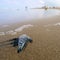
45 46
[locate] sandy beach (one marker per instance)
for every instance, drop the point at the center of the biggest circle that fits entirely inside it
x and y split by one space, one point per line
45 33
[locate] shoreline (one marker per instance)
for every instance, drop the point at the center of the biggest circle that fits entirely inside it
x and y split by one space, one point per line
46 41
39 22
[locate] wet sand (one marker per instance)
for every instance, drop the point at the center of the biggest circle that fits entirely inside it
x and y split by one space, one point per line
46 41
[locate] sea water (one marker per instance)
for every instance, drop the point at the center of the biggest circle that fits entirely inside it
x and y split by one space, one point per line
10 16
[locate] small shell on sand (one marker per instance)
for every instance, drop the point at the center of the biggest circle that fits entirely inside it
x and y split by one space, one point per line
2 33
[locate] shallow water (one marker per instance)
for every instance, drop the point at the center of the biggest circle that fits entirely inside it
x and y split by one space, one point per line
9 16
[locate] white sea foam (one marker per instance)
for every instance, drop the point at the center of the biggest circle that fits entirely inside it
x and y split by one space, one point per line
57 24
11 32
2 33
14 32
23 27
5 25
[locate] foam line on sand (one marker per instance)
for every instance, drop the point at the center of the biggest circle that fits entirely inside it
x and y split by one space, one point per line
2 33
56 24
23 27
5 25
14 32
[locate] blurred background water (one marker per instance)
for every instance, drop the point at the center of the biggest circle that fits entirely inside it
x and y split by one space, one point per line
9 16
13 11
